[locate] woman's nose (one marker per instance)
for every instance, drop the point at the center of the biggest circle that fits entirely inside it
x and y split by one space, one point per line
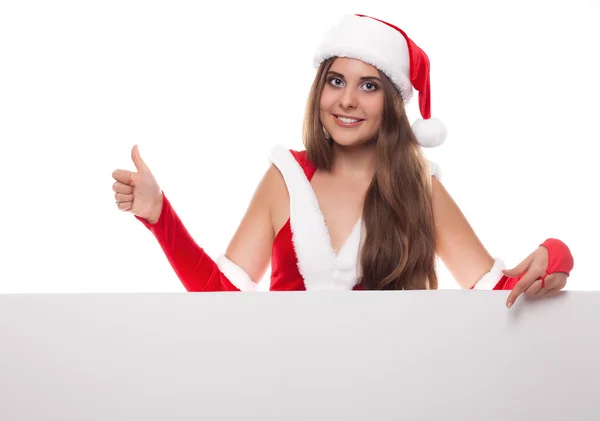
349 99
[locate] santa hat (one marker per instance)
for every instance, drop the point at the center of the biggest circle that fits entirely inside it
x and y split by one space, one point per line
388 48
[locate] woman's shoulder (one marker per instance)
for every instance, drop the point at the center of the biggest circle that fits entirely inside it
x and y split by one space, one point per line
287 160
284 163
279 152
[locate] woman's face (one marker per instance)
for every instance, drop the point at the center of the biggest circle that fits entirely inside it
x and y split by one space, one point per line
351 105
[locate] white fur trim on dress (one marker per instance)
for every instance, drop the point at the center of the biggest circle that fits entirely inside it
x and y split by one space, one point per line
490 279
318 264
435 170
373 42
236 275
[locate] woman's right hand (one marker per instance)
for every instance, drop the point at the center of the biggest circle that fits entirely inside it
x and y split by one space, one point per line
138 192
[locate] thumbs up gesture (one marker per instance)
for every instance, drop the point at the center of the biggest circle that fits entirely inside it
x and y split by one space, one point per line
138 192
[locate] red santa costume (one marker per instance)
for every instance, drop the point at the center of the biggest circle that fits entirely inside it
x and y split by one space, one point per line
302 255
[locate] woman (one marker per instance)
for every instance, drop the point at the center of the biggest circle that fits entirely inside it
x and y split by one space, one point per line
360 208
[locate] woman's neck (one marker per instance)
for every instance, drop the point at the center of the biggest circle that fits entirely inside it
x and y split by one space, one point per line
353 161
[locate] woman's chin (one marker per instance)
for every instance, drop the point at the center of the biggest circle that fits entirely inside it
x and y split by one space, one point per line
351 141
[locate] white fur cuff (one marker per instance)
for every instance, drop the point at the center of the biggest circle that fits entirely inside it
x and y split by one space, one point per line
490 279
236 275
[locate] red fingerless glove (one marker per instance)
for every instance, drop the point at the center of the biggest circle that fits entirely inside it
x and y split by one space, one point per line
559 256
559 260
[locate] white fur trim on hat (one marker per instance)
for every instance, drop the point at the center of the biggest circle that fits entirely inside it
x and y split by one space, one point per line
374 43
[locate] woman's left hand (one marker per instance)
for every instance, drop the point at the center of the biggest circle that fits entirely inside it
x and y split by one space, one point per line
535 281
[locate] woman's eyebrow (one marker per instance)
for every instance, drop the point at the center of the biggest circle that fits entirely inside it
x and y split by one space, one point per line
362 78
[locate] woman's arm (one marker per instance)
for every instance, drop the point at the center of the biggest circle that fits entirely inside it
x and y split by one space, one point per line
473 267
246 258
457 244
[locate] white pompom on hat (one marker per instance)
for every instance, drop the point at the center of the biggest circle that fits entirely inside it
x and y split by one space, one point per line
389 49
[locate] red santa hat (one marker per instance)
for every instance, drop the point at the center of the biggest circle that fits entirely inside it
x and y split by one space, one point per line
388 48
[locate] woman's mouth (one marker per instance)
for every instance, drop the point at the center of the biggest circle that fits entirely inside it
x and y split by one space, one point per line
348 122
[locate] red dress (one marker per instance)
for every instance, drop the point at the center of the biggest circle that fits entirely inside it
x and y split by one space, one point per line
302 255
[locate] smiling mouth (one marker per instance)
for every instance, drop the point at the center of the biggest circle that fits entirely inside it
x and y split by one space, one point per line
348 120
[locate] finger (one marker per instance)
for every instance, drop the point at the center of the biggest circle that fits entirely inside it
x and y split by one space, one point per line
554 284
556 280
552 292
138 161
525 282
119 187
544 292
514 294
124 206
120 197
520 268
124 176
535 288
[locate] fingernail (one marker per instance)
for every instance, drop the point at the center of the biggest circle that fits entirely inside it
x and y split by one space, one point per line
509 305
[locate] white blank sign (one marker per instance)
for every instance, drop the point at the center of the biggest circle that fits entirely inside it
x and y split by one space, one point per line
406 355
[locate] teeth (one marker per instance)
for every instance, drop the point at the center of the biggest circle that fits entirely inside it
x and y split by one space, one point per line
348 120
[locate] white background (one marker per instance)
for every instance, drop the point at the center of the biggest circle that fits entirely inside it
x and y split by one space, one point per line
206 89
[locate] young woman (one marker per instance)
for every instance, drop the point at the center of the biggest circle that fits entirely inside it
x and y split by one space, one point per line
360 208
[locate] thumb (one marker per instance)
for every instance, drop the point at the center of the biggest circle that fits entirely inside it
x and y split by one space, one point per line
519 269
138 161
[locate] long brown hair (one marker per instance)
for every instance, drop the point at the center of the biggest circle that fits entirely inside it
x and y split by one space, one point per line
399 246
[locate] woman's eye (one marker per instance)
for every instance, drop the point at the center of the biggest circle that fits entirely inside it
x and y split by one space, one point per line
370 86
336 81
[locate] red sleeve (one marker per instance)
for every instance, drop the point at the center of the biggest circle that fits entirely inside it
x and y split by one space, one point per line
196 270
560 259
